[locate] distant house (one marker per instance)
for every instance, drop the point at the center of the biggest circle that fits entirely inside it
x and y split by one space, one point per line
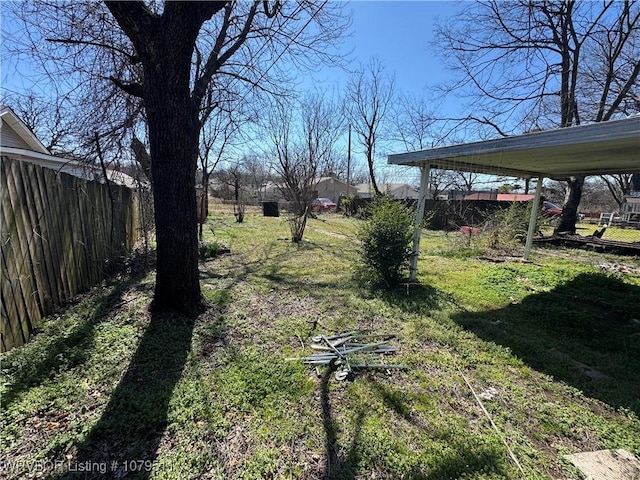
18 142
401 191
630 209
325 187
333 188
271 191
227 191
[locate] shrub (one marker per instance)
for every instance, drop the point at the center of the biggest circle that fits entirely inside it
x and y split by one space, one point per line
211 250
508 228
353 206
386 241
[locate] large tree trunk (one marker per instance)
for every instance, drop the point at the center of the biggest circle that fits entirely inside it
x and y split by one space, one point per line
570 208
173 139
173 165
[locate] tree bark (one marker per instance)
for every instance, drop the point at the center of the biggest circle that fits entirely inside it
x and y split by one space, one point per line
173 138
570 208
372 175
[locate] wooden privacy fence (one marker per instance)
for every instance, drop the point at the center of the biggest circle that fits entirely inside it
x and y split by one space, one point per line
58 235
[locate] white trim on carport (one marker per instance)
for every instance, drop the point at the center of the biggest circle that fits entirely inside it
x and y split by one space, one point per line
595 149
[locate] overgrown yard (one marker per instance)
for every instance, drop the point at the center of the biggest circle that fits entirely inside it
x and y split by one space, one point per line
550 348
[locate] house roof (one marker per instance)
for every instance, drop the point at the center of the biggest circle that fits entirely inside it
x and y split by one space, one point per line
366 187
12 121
594 149
500 197
73 167
33 151
329 178
515 197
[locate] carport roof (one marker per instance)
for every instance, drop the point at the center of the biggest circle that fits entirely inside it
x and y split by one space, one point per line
594 149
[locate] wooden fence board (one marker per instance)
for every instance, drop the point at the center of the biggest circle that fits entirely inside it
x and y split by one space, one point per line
38 270
68 250
11 297
20 242
55 241
64 245
51 296
83 212
55 233
11 332
8 295
50 233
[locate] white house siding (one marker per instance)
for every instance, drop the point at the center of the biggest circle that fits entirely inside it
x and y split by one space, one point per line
9 138
332 188
400 191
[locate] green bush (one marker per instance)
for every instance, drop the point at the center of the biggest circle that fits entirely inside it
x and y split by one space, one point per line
386 241
354 206
211 250
508 228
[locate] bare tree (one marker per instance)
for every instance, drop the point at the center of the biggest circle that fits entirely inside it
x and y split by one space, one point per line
440 181
369 94
415 124
302 145
596 197
167 54
528 65
217 136
412 122
233 177
257 174
359 174
46 119
618 186
335 166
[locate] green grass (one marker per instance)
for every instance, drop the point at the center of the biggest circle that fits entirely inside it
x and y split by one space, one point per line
107 384
616 233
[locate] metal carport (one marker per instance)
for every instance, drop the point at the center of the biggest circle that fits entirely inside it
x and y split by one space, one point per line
595 149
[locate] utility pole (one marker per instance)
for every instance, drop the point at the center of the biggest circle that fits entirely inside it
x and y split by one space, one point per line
349 163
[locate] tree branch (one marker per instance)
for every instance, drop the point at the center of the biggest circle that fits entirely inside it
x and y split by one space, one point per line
136 21
133 59
216 59
134 89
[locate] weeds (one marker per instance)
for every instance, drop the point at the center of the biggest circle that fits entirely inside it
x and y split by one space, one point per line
210 250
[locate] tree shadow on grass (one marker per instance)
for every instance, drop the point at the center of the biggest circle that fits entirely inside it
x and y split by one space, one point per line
465 453
338 466
68 344
124 442
585 333
416 298
460 454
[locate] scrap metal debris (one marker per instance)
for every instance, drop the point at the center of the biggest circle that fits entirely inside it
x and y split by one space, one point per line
349 351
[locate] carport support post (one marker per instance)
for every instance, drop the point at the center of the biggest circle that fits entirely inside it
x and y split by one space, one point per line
532 220
422 195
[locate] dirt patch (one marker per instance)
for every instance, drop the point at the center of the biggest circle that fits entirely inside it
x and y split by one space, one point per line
607 464
333 234
620 268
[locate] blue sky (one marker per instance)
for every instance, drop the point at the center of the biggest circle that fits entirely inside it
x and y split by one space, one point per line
399 34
